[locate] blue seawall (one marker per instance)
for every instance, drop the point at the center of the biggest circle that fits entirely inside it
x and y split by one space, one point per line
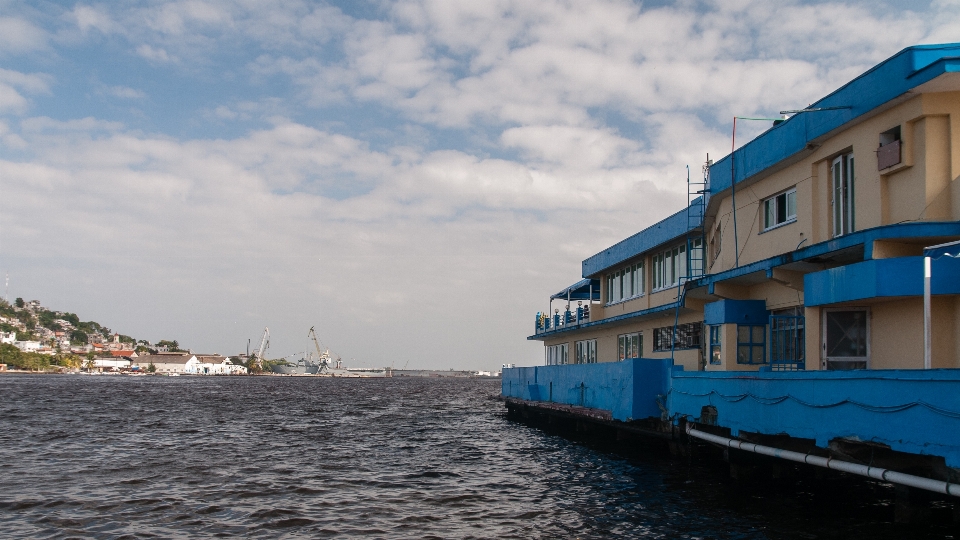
915 411
627 389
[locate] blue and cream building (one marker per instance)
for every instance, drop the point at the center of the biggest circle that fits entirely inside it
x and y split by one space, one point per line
796 269
820 265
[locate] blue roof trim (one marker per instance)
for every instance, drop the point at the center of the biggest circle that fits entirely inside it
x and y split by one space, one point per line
865 237
619 318
659 233
886 81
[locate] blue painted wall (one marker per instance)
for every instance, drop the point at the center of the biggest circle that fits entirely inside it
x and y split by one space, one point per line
736 311
902 276
627 389
916 411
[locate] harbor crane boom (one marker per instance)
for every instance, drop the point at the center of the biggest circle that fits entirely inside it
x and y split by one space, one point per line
264 345
323 359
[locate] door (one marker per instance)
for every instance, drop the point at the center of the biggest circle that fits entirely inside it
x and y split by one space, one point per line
846 339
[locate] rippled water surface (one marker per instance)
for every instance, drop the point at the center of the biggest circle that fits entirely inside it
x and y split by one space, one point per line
269 457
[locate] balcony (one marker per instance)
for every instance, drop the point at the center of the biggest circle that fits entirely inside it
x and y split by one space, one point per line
560 321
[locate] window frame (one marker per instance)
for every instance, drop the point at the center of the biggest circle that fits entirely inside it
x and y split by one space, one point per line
827 359
774 201
625 341
752 344
684 330
843 188
558 355
715 345
627 278
585 351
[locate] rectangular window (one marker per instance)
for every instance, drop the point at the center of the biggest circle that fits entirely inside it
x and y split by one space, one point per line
696 257
842 174
846 339
629 345
557 355
625 283
780 209
586 351
688 337
889 153
670 266
715 343
751 344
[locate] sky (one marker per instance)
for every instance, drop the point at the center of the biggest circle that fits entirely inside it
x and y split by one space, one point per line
413 178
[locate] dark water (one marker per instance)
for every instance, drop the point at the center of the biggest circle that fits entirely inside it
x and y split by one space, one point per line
267 457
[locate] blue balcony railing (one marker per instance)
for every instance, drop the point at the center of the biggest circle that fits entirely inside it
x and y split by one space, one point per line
559 320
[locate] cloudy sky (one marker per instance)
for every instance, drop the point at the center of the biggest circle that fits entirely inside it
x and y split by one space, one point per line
414 178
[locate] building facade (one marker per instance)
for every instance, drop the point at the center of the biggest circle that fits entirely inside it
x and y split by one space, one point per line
802 250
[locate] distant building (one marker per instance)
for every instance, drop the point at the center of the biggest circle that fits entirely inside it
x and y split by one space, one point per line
169 362
8 337
218 365
111 363
28 346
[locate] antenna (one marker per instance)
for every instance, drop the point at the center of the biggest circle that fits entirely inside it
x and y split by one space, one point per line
6 290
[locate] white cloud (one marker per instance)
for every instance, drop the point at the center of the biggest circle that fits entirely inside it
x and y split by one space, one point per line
12 83
531 134
155 54
18 35
125 92
87 17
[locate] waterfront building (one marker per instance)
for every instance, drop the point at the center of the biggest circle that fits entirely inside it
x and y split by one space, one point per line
819 266
167 363
807 297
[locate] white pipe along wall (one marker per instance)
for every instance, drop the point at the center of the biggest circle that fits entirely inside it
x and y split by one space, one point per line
876 473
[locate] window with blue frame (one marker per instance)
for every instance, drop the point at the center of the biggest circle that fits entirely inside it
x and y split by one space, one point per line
715 344
751 344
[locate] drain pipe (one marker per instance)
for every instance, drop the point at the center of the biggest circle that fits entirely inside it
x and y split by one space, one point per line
876 473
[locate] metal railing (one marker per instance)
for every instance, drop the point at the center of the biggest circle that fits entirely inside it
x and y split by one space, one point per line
560 320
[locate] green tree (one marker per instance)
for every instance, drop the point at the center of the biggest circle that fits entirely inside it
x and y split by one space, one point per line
151 368
27 336
79 337
172 346
19 302
10 355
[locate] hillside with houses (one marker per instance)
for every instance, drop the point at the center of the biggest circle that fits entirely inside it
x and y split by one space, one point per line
33 337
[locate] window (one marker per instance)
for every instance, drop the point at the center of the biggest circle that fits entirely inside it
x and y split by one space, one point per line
787 339
751 341
629 345
586 351
846 339
557 355
670 266
780 209
889 153
715 342
625 283
842 174
688 337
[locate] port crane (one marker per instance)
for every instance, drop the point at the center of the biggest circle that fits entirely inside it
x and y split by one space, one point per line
323 358
262 349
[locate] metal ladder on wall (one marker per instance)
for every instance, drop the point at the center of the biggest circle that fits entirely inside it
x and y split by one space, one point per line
698 193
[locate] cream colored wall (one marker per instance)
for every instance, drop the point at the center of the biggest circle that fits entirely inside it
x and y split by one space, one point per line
896 333
607 346
925 186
